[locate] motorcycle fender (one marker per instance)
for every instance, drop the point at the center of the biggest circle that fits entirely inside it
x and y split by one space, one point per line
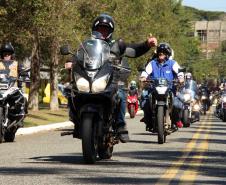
90 109
99 121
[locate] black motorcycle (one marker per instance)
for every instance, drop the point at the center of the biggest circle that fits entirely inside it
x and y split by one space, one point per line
221 107
94 96
160 101
205 102
7 90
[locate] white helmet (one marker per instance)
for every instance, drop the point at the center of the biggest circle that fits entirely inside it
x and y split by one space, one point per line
188 76
133 83
180 75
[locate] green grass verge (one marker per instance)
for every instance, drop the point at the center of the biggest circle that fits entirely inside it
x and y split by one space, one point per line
45 116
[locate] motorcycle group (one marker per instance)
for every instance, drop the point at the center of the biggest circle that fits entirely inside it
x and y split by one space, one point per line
97 99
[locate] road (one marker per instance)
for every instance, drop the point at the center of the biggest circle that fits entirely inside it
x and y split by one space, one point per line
195 155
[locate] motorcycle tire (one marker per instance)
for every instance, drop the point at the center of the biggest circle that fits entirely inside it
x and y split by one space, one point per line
204 111
105 152
160 125
1 125
186 120
224 116
132 111
89 139
9 136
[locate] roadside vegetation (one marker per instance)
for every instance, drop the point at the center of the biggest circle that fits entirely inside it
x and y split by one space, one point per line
44 116
37 28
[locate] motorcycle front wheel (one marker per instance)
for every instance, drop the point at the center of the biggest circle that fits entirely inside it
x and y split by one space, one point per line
89 139
186 120
160 125
9 136
132 111
224 116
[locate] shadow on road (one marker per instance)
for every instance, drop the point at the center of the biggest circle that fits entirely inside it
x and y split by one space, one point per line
143 163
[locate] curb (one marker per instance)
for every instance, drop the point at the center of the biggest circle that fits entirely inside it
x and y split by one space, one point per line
36 129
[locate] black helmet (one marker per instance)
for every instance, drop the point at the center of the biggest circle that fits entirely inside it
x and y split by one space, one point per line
104 20
6 48
164 48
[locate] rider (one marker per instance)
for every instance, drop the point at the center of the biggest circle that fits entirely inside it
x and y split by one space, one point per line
160 67
178 100
10 68
104 24
133 88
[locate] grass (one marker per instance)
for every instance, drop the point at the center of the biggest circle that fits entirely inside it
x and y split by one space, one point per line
45 116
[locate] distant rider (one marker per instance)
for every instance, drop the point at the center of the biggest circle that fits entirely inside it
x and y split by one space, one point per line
159 67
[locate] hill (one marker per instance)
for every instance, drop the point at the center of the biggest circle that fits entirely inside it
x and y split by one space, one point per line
198 15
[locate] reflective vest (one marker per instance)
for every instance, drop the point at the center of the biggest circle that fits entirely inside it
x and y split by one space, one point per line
9 68
164 70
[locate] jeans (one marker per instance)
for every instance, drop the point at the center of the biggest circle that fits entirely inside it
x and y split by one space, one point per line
177 110
122 108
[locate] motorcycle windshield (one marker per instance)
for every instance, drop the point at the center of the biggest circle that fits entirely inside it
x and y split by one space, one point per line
191 85
93 53
6 81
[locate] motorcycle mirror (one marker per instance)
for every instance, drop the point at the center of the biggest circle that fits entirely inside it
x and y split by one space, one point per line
115 50
25 72
65 50
130 52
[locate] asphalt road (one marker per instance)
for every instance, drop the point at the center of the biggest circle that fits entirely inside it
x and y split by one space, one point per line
195 155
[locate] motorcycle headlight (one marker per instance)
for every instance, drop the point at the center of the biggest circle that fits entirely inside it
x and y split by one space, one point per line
161 90
196 107
129 101
203 97
187 97
83 84
100 84
224 99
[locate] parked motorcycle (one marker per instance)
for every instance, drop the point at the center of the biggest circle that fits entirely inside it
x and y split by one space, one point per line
7 90
94 92
132 104
160 102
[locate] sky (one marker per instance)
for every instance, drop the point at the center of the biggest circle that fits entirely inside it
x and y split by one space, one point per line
210 5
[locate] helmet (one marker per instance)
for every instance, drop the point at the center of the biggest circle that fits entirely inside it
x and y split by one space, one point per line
106 22
188 76
164 48
180 75
6 48
133 84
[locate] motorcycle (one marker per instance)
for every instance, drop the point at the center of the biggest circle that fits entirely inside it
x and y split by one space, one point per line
191 105
204 99
160 102
132 104
8 129
221 107
94 92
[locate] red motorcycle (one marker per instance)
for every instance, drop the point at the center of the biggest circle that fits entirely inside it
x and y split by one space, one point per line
132 105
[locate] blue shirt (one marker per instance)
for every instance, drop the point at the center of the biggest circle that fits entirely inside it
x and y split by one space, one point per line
166 70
